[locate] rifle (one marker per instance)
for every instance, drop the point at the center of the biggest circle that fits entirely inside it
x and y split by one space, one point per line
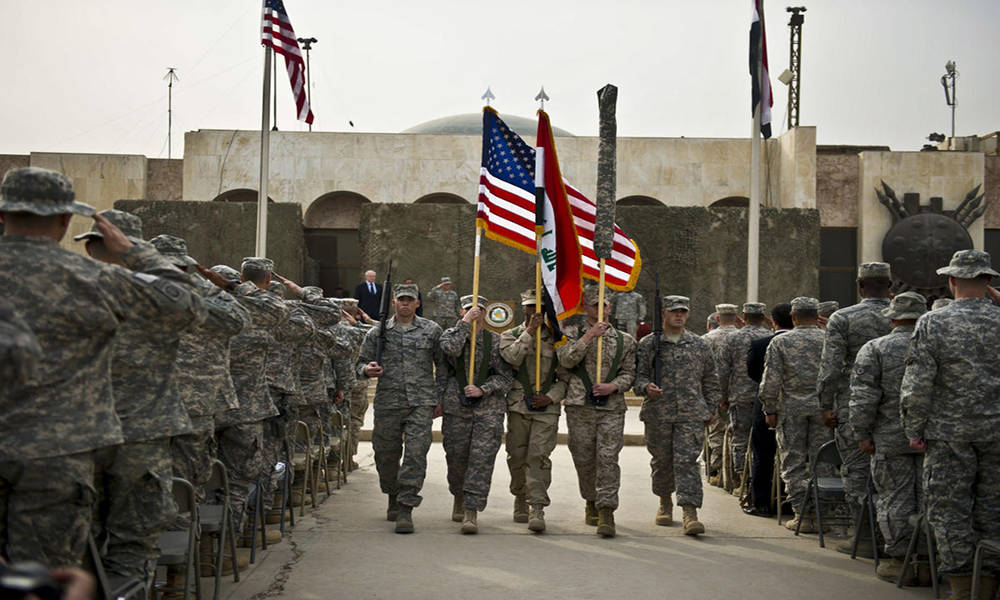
657 330
383 314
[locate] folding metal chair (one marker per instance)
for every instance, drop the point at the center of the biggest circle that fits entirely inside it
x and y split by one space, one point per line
983 547
728 474
112 587
285 494
338 421
866 516
776 496
255 499
824 491
920 527
217 522
180 548
319 462
301 462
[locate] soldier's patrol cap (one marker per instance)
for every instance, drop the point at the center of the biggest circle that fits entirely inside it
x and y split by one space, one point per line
941 303
528 297
805 303
754 308
828 307
226 271
258 262
873 270
129 224
908 305
40 192
174 249
676 303
726 309
349 302
409 290
446 280
467 301
969 264
592 295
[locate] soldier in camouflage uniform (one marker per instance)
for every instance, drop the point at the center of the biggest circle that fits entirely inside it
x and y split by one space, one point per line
340 380
473 411
447 308
595 412
532 417
134 479
628 308
788 397
19 349
738 390
716 430
846 331
896 468
826 309
410 380
949 408
676 409
358 396
53 422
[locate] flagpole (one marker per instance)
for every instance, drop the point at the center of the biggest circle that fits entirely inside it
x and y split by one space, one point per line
475 300
753 214
600 319
539 232
265 145
604 218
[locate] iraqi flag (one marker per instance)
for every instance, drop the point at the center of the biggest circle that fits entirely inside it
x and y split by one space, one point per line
759 76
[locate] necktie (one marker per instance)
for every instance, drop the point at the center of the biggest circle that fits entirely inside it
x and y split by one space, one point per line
371 288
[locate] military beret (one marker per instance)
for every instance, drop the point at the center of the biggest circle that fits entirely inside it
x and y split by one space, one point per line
754 308
592 295
726 309
941 303
226 271
908 305
467 301
828 307
873 270
969 264
409 290
40 192
128 223
174 249
805 303
676 303
258 262
528 297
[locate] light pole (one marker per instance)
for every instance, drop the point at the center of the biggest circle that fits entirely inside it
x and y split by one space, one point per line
949 77
307 46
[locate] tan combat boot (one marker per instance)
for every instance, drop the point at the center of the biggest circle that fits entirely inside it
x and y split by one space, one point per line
889 570
520 509
590 514
606 523
715 480
692 526
536 518
961 587
469 525
665 514
458 508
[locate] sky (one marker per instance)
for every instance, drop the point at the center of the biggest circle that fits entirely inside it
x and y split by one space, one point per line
88 76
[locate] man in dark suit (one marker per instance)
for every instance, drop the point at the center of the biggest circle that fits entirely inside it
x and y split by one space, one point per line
369 295
762 440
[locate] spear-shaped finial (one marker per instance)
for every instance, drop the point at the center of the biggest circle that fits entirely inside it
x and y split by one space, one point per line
542 97
488 95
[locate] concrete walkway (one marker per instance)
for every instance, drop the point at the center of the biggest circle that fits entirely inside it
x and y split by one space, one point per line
346 549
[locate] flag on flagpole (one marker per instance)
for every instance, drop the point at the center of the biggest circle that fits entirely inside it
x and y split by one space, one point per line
277 33
507 206
760 78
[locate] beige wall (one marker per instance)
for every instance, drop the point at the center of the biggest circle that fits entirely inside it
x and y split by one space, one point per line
949 175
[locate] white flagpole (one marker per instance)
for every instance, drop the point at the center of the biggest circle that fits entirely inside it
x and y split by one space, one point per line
753 216
265 146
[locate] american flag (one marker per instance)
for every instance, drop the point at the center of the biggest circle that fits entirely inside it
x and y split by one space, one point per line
507 206
278 34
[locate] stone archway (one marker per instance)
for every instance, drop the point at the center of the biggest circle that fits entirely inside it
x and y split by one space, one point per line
731 202
639 201
441 198
239 195
333 245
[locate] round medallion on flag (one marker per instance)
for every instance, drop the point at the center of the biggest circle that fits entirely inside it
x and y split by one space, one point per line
499 314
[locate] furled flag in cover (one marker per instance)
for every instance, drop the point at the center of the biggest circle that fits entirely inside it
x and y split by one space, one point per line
278 34
760 78
513 223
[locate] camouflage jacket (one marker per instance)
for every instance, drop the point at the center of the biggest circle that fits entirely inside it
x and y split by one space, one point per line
75 305
791 364
628 306
412 353
283 359
737 387
847 330
875 382
249 355
577 351
716 340
517 347
338 372
446 303
688 378
494 375
326 344
952 379
19 349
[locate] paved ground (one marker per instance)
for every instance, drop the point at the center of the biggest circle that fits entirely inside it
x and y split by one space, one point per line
346 549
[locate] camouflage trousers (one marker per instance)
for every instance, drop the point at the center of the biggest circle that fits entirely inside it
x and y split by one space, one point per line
596 438
799 439
962 492
531 438
241 450
740 423
470 447
856 466
359 405
275 431
192 455
46 508
332 434
897 479
674 448
402 434
135 504
716 432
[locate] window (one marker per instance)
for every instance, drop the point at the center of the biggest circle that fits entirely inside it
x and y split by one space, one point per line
838 264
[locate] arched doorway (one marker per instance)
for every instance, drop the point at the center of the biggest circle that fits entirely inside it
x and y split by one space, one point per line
440 198
333 246
731 202
639 201
239 195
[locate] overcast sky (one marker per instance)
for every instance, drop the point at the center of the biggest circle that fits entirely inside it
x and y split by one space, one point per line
86 76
